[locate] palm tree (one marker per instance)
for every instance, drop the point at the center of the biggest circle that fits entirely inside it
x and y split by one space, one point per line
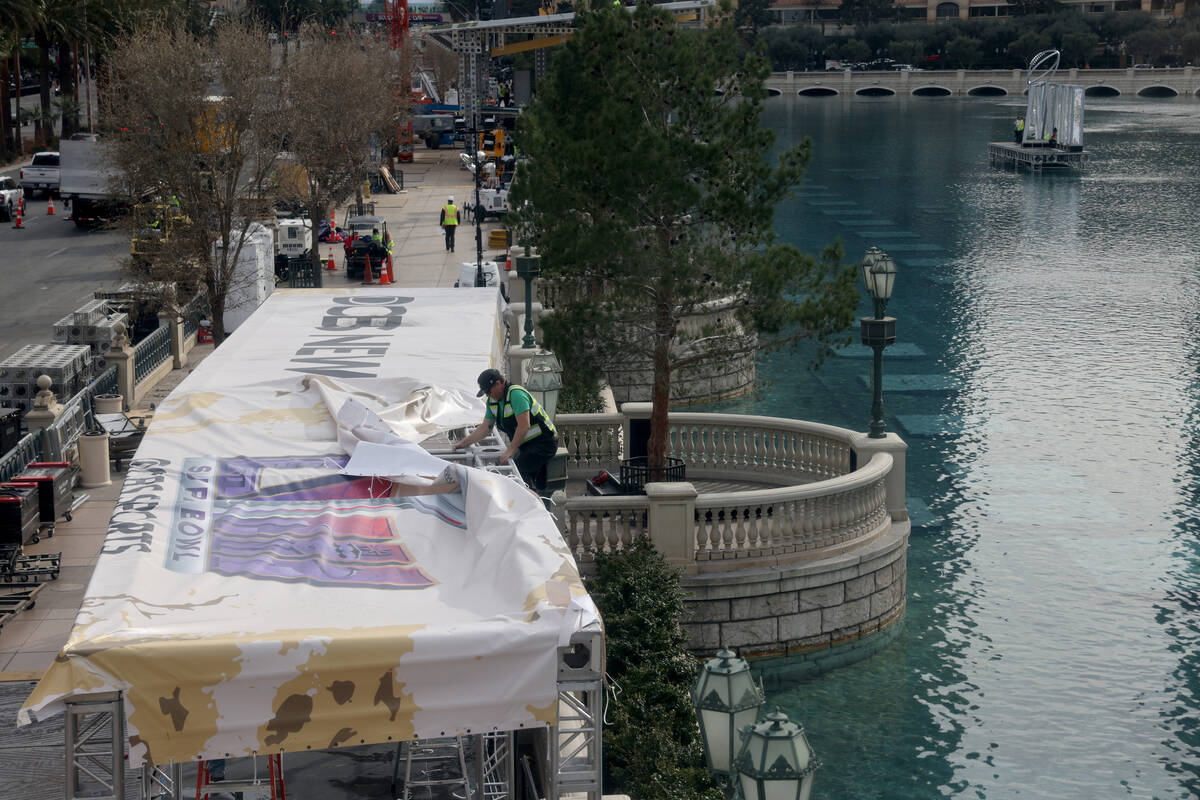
15 17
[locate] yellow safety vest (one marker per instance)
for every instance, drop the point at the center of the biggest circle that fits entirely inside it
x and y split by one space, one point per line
1020 124
451 215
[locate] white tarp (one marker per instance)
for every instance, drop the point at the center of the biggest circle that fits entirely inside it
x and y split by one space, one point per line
252 597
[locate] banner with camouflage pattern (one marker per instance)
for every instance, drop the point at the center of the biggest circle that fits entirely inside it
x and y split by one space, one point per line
251 597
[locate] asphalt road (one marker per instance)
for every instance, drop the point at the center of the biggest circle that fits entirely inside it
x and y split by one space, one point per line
47 270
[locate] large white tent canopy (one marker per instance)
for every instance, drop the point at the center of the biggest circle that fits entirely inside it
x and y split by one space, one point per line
252 597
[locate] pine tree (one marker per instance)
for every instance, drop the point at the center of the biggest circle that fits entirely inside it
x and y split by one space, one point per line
651 198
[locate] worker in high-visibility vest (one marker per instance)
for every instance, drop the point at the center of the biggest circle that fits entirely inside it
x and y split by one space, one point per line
449 222
532 437
1019 130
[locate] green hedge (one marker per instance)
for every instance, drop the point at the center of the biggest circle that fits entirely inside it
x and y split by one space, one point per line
652 747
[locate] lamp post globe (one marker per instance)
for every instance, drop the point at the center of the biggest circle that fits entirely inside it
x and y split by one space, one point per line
544 380
878 331
727 699
879 275
776 761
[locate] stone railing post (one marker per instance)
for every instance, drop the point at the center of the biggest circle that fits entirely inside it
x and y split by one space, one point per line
635 422
121 354
516 291
45 412
46 408
172 317
517 312
865 447
672 522
517 356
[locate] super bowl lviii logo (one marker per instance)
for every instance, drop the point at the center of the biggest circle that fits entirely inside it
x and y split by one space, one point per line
297 520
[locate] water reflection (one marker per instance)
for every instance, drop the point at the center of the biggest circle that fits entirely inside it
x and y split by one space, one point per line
1048 390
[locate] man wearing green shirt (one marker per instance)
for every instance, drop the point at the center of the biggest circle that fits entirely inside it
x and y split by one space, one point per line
532 439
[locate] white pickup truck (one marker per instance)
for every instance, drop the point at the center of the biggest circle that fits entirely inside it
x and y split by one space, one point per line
10 198
42 175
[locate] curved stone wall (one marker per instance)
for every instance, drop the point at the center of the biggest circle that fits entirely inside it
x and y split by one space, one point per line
804 609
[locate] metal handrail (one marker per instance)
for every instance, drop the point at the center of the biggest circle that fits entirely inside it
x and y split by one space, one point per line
28 450
151 352
78 415
104 383
193 311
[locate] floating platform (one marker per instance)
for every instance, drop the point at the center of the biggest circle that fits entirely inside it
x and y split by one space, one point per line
1036 159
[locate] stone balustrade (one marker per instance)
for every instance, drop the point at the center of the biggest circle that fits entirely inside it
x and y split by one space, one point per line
793 519
593 441
810 556
766 449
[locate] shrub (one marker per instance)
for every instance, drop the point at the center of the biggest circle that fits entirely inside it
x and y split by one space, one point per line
652 747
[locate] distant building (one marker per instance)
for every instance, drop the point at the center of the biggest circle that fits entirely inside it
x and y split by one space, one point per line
825 12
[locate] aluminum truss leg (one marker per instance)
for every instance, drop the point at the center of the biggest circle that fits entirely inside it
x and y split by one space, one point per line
495 765
575 743
576 739
439 762
94 731
162 783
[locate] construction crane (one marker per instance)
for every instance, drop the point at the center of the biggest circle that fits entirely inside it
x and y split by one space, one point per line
396 14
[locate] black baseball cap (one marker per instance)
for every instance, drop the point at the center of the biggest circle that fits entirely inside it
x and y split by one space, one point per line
487 379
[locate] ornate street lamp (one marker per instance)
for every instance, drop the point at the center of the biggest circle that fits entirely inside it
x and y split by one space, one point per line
727 699
544 380
528 268
879 273
776 761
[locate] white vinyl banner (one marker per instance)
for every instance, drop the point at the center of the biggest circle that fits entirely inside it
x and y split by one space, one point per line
254 597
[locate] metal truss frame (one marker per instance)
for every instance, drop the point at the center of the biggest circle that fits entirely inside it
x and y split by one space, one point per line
576 740
94 739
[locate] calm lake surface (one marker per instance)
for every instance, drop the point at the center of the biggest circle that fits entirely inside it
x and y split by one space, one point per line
1045 378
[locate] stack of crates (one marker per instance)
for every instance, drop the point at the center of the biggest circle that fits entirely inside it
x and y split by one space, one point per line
69 367
92 325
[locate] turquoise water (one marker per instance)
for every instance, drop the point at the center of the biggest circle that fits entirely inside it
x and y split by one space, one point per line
1045 379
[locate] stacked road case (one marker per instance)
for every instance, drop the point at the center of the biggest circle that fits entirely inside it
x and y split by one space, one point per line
93 325
69 367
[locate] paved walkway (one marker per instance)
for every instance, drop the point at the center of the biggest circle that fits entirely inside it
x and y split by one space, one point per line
420 258
30 642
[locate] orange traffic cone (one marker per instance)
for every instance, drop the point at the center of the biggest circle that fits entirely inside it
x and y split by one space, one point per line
508 263
329 265
21 204
367 276
50 207
385 272
18 222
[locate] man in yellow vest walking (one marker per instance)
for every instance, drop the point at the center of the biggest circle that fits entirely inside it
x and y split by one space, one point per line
449 222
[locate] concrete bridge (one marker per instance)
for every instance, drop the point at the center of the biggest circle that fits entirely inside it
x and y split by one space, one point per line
1149 83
